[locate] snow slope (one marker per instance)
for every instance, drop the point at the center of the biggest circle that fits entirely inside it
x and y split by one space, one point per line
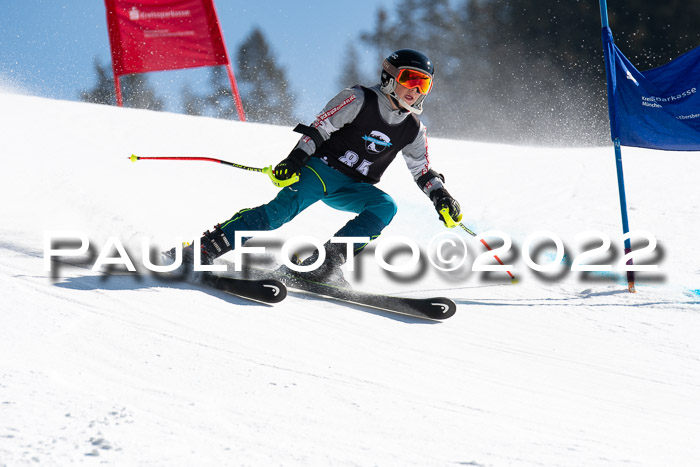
561 369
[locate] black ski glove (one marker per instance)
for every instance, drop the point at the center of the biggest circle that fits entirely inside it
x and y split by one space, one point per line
292 164
441 199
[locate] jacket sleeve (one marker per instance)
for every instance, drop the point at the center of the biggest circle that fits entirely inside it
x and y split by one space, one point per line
340 110
418 162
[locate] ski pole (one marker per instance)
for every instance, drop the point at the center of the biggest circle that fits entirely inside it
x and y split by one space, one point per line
266 170
466 229
445 212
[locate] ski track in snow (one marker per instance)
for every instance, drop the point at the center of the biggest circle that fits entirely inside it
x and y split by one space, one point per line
130 370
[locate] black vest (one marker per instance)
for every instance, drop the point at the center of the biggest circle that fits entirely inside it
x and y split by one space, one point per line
364 148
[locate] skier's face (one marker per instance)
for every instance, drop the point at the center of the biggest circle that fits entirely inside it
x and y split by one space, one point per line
408 95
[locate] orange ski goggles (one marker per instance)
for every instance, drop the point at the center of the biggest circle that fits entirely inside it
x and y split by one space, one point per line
410 78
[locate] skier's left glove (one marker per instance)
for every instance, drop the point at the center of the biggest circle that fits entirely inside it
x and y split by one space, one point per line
447 207
291 165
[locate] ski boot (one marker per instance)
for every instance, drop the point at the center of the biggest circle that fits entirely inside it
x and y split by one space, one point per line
212 245
328 273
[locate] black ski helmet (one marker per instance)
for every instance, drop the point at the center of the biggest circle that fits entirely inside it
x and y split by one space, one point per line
405 58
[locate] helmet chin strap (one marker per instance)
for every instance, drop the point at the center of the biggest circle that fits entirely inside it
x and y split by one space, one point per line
409 107
405 105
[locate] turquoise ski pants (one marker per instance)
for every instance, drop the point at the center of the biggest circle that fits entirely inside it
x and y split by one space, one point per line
319 182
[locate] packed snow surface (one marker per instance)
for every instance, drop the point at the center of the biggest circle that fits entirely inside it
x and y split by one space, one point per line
562 368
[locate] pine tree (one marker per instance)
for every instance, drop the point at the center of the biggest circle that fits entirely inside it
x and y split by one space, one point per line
192 103
138 93
351 74
380 38
220 102
136 90
103 92
264 88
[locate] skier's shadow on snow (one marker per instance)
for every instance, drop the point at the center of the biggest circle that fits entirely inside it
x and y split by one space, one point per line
120 280
134 281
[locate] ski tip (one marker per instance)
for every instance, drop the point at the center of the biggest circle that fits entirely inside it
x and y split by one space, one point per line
276 291
134 158
514 281
441 308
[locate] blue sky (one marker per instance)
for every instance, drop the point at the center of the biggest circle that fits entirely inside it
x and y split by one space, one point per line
47 47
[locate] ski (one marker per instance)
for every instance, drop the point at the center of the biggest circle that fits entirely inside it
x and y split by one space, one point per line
263 290
434 308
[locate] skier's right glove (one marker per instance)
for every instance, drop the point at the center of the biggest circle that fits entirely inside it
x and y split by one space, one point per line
291 165
447 207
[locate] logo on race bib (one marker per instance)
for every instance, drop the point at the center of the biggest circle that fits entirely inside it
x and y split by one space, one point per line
376 142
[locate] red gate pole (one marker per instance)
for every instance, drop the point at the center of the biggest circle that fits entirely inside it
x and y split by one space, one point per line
234 90
118 90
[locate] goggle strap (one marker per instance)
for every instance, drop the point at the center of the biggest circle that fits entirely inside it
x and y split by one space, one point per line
389 68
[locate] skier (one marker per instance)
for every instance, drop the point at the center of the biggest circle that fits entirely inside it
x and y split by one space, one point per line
338 160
